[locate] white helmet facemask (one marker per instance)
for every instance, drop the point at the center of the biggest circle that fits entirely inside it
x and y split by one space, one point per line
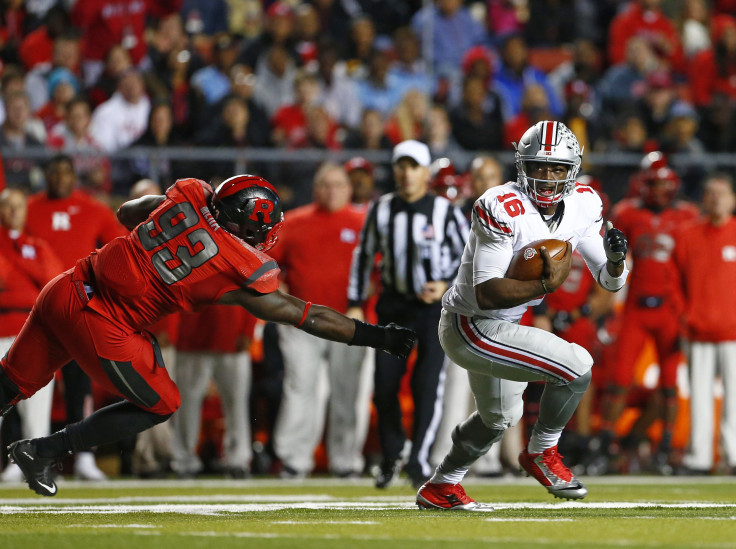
551 142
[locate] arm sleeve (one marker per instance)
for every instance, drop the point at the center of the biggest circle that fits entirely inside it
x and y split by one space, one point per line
363 256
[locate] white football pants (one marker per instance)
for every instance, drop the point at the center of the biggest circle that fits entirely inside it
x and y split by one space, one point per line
34 412
502 357
231 373
301 419
706 360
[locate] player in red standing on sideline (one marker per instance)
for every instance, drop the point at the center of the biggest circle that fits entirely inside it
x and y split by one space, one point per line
654 302
187 248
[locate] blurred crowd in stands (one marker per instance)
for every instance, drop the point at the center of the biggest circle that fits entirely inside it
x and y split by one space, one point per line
81 75
90 78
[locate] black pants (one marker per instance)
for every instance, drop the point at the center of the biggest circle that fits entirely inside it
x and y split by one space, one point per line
427 387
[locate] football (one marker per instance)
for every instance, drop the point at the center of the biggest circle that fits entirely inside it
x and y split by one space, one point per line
527 262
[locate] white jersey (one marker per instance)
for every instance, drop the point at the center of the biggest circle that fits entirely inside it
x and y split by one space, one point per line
504 221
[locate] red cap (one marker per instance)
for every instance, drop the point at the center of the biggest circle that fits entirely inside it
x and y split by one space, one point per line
477 53
358 163
279 9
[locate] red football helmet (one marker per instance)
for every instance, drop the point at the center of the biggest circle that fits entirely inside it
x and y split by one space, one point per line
249 207
656 183
446 181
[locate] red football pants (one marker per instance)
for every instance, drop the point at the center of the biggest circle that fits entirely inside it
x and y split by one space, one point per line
61 328
638 323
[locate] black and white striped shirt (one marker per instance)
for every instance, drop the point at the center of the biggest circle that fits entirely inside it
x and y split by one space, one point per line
419 242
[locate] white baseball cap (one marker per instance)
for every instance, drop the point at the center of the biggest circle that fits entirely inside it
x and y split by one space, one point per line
416 150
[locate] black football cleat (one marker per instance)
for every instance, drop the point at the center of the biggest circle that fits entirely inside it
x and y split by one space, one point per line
36 469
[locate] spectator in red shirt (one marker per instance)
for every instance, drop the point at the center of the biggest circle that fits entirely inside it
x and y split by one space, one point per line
712 78
37 47
330 223
74 224
27 264
645 18
290 121
106 23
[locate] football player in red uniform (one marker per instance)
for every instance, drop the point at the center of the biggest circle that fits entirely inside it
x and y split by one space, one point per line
187 248
654 302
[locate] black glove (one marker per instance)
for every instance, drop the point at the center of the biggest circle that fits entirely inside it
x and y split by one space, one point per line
614 242
399 341
392 339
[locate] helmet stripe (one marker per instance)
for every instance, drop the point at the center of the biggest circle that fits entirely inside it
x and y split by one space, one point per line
549 135
240 182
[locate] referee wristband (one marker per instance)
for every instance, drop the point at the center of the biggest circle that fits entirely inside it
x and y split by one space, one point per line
544 286
368 335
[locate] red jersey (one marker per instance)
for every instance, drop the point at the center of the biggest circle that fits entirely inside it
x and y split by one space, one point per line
574 292
315 249
73 226
651 241
706 259
179 259
216 329
106 23
652 25
28 263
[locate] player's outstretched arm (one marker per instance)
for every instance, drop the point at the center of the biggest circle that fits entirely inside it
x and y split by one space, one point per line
322 321
134 212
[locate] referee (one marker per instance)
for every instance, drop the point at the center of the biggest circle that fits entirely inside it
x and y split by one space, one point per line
420 238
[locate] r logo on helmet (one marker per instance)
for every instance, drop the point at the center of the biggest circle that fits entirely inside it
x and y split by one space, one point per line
261 206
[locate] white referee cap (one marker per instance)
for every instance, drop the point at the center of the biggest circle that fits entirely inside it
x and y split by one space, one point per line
416 150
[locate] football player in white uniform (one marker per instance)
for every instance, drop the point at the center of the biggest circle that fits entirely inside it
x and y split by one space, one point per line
479 328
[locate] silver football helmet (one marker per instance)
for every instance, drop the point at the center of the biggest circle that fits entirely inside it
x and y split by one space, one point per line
553 142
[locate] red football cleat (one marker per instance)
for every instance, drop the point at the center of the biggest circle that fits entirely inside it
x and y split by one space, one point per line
548 469
447 497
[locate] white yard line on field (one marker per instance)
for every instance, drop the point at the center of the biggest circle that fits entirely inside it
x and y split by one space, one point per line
87 507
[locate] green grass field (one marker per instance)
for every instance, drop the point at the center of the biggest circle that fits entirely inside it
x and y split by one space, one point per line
321 513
